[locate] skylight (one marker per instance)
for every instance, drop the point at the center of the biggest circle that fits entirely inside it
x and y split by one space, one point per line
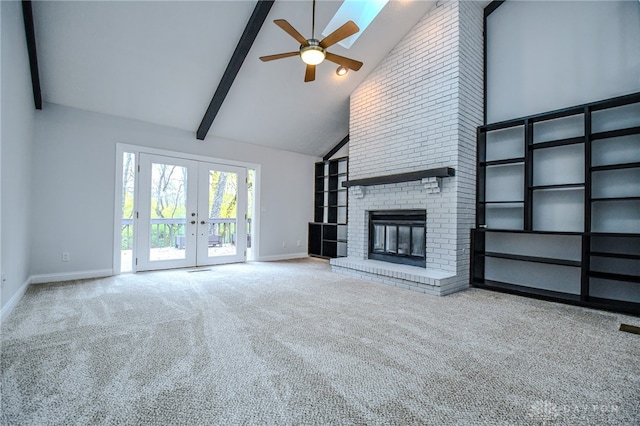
362 12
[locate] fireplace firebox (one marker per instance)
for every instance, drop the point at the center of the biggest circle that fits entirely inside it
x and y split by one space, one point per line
398 236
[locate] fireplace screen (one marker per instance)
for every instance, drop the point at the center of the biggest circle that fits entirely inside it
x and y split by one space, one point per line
398 236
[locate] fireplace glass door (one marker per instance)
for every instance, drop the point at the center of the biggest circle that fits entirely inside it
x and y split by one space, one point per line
398 236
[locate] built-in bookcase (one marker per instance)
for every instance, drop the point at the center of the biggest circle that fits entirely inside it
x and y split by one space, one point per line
558 205
328 231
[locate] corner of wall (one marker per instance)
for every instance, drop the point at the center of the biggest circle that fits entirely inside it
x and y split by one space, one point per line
17 138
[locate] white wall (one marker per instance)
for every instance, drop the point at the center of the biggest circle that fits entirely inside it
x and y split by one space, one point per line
74 175
543 56
16 147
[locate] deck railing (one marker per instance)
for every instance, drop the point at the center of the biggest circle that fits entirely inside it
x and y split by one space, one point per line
171 232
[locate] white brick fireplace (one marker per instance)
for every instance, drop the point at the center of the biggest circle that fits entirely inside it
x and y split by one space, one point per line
418 111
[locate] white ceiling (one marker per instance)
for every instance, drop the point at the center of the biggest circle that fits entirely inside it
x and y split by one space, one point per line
161 62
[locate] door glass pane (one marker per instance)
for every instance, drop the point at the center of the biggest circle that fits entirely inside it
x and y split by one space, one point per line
251 176
223 201
126 228
168 212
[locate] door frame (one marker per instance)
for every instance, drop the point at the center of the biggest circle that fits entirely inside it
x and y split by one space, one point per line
121 148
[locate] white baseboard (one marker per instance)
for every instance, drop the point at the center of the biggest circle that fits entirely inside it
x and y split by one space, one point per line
282 257
70 276
13 302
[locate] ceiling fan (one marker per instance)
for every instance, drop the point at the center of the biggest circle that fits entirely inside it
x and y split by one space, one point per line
313 52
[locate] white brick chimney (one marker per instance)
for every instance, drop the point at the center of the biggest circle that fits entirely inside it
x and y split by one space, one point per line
419 110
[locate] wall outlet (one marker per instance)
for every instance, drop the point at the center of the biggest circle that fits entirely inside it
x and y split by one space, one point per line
284 244
299 243
65 256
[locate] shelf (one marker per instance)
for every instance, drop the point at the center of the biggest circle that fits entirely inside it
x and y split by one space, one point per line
616 133
615 199
504 202
615 167
505 124
503 162
615 277
520 231
535 259
614 255
594 302
401 177
614 234
614 305
559 142
526 291
559 186
616 102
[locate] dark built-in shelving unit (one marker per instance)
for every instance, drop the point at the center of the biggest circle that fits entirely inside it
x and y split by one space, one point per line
558 205
328 231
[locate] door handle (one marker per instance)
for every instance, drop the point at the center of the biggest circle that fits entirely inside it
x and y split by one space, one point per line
193 222
202 222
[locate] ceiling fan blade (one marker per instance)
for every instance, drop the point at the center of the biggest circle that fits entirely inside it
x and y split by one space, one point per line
278 56
288 28
310 73
352 64
348 29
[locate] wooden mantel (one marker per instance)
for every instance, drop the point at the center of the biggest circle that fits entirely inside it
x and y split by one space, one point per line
440 172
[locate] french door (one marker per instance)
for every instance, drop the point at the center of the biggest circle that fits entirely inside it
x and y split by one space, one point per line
190 213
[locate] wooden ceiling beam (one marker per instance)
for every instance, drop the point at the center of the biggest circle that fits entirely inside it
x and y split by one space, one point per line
29 29
336 148
249 35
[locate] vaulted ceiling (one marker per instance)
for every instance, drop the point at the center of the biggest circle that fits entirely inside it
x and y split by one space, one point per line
161 62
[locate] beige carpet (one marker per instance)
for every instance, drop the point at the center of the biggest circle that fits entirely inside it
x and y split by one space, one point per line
293 343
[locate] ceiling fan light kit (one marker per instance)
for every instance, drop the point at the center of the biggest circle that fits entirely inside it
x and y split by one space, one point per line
313 52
